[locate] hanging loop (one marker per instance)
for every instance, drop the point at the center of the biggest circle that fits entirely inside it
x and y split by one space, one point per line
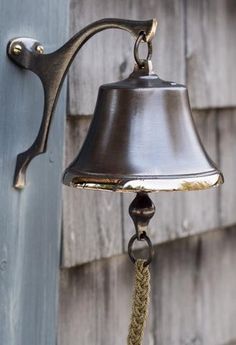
143 237
142 38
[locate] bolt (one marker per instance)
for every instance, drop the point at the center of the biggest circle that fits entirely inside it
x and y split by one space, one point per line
17 49
39 49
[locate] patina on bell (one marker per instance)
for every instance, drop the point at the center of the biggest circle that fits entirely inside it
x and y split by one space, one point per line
142 138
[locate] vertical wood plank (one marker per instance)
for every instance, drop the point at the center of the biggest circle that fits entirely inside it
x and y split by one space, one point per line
227 154
29 219
211 53
194 288
193 296
109 55
94 303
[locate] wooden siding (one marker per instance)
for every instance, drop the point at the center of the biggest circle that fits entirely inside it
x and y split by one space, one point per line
193 281
193 296
227 156
92 221
210 53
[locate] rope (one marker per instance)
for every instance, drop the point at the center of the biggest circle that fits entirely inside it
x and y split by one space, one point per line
140 303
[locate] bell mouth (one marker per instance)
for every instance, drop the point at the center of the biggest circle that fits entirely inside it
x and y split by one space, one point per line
146 184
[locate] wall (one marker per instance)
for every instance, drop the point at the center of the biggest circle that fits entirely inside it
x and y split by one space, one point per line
193 282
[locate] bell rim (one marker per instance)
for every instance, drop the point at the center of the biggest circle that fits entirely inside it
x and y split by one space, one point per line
148 184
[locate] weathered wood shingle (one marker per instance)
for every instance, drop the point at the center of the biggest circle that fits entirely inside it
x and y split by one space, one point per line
193 296
92 223
211 53
193 285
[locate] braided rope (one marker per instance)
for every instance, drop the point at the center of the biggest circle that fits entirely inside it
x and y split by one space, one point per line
140 303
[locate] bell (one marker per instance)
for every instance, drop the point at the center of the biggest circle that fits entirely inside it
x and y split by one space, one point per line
142 139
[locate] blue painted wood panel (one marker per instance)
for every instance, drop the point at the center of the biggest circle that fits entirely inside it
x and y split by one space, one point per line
29 219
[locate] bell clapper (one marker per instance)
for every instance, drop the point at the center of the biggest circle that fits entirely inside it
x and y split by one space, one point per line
141 211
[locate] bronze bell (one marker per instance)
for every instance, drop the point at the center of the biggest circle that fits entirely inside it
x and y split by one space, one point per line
142 138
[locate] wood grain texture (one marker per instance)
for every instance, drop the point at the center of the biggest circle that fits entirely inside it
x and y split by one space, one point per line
92 221
211 53
193 296
29 219
227 156
109 55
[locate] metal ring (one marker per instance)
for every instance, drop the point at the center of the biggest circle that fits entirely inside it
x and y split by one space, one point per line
140 38
143 237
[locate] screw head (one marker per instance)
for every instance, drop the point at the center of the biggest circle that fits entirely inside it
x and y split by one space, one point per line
39 49
17 49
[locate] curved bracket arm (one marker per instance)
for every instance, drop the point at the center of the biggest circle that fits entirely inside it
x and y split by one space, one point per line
52 69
